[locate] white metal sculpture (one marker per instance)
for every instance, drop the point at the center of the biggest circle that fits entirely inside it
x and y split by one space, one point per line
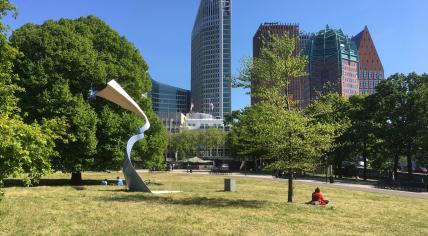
116 94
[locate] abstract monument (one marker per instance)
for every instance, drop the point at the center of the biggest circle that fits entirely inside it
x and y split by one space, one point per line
116 94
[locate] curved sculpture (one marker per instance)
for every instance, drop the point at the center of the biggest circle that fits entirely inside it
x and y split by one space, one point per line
116 94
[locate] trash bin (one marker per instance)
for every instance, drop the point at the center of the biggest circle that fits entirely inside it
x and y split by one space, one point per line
229 185
331 179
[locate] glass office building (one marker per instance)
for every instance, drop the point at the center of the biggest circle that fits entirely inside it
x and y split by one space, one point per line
169 99
211 58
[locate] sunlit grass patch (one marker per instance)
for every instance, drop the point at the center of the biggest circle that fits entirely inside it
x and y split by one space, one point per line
259 207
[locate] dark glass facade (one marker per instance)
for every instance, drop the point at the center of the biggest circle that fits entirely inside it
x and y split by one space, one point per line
169 99
211 58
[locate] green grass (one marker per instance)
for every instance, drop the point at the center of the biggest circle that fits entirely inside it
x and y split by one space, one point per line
259 207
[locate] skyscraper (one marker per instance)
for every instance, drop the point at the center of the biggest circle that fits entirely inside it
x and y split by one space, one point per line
211 58
370 67
333 64
298 88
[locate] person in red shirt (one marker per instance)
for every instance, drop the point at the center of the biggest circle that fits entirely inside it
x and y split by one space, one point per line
318 198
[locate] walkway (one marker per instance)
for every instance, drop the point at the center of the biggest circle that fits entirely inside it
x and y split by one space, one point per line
361 186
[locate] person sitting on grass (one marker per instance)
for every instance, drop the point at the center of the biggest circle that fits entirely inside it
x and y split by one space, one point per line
104 182
318 198
119 181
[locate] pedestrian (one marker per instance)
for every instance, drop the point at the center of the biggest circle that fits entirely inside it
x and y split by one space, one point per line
119 181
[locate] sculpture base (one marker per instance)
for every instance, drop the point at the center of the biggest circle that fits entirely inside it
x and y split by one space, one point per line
134 183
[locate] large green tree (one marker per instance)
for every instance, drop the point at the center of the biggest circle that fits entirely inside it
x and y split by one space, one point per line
23 147
333 109
271 129
61 61
361 134
401 118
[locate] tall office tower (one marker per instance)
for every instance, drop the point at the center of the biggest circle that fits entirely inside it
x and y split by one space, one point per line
211 58
298 88
333 64
371 69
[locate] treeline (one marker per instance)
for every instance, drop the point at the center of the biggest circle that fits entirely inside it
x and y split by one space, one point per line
46 121
379 129
202 143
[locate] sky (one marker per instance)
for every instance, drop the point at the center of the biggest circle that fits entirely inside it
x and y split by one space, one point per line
161 29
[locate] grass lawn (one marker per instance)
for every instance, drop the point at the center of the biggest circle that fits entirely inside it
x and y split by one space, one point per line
259 207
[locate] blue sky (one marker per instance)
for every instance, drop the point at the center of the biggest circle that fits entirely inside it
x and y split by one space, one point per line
161 28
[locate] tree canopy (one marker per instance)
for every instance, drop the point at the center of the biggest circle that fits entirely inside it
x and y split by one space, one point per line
205 142
23 147
61 61
271 130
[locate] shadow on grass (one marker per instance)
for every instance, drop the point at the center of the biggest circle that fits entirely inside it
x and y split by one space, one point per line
114 190
199 201
65 182
48 182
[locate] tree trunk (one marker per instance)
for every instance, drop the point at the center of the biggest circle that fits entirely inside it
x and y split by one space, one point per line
339 167
76 178
409 166
365 169
394 171
365 163
290 186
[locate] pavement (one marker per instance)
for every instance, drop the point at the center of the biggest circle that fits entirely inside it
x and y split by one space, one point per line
369 186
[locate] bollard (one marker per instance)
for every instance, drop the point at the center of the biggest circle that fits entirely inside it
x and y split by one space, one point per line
229 185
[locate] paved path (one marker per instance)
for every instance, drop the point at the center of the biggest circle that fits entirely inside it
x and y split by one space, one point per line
364 186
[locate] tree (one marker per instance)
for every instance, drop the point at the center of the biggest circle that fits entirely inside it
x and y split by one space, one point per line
269 74
244 139
400 104
361 133
297 143
24 147
62 60
333 109
271 129
232 118
183 143
207 142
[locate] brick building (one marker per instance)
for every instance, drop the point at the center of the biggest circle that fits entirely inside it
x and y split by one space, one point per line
370 67
333 64
298 88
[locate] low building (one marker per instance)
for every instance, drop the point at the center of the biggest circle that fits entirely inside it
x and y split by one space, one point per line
195 121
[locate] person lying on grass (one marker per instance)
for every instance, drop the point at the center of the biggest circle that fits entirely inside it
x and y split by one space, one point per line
318 198
104 182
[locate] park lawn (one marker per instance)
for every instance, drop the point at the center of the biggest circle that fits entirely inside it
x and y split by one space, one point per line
259 207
